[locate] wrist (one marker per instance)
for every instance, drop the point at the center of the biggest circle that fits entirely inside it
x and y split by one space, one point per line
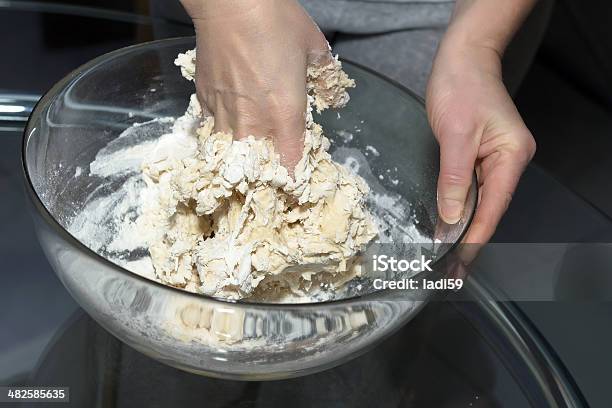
458 54
461 35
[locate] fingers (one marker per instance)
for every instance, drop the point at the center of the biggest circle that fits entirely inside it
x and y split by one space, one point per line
288 132
253 79
498 183
458 152
291 148
320 51
279 117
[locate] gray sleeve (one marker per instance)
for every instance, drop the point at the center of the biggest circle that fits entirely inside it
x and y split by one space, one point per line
407 55
378 16
348 16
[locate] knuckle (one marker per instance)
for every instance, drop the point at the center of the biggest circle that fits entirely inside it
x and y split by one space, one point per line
455 177
532 147
456 128
451 123
522 146
287 107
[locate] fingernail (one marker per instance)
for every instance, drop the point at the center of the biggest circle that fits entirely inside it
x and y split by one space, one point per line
451 210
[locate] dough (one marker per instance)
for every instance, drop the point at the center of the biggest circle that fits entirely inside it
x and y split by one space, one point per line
225 219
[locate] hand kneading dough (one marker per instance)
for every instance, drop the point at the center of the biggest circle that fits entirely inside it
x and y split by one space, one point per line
226 220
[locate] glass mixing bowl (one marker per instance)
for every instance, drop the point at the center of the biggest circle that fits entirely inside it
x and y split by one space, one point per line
237 340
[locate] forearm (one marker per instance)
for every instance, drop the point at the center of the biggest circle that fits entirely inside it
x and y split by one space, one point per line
487 24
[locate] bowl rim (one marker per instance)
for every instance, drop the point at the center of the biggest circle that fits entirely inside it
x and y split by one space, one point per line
52 222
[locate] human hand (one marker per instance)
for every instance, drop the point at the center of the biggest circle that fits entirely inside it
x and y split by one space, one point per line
478 127
251 68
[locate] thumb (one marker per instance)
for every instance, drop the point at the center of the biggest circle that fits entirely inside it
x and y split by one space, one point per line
458 152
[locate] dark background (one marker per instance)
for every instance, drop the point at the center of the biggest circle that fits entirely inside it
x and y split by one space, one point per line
565 99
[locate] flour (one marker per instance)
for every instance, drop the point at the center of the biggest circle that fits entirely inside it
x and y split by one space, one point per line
202 212
227 220
107 224
372 149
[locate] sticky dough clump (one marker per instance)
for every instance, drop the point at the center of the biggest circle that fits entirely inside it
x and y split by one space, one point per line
225 218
